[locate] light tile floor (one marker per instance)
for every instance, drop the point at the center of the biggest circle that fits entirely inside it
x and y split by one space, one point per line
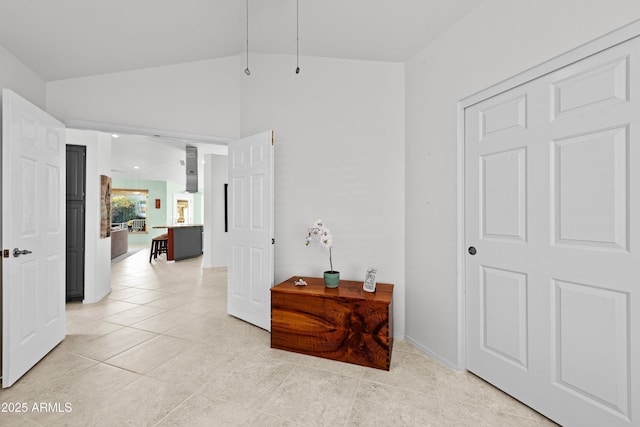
161 350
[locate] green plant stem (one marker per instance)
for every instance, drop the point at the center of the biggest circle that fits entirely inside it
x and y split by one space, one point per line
330 260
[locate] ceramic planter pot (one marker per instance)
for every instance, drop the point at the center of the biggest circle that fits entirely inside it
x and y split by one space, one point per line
331 279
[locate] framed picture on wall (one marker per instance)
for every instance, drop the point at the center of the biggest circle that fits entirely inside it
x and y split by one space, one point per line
105 206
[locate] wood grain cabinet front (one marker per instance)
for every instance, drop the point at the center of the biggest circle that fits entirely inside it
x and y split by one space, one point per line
344 323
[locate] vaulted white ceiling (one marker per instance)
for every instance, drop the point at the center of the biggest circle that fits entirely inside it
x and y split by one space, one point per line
61 39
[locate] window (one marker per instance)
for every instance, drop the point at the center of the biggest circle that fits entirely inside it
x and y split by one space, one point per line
129 209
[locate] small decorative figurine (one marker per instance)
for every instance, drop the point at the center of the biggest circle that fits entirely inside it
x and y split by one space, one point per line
300 282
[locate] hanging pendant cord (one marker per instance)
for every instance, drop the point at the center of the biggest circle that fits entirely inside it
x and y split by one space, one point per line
297 36
246 70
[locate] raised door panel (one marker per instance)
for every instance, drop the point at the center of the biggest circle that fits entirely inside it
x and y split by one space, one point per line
503 195
504 317
590 186
74 235
75 273
591 337
53 199
75 172
594 88
29 177
504 116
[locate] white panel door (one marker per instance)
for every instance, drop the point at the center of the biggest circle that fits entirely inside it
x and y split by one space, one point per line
552 225
250 192
33 220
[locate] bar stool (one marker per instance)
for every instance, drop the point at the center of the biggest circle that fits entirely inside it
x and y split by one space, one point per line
159 246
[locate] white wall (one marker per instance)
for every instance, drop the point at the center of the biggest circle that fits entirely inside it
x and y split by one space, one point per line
19 78
339 156
497 40
216 243
196 98
97 273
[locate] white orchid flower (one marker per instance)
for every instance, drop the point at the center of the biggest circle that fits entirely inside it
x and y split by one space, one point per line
321 232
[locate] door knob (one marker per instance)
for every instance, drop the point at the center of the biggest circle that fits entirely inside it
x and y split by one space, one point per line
17 252
472 250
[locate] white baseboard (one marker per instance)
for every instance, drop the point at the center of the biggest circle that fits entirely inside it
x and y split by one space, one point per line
433 355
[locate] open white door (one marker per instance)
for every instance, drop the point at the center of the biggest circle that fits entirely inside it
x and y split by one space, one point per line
251 229
33 222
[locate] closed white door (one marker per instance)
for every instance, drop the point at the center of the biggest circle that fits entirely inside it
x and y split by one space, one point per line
33 235
250 192
552 223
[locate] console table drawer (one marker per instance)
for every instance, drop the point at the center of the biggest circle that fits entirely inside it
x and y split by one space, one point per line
344 323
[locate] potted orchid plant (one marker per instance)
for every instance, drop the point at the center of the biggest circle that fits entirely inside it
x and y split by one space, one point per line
319 231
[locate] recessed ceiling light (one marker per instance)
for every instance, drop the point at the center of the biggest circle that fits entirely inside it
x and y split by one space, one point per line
136 167
115 135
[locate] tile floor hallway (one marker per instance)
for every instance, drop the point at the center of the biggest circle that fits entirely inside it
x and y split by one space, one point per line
160 350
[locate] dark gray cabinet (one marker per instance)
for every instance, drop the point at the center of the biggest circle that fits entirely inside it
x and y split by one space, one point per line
76 182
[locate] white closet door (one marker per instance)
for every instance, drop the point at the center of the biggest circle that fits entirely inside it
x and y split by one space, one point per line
552 196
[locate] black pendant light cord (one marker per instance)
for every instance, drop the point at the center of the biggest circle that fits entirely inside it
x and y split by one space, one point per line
246 70
297 37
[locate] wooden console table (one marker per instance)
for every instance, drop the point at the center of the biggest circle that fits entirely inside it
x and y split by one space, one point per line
343 323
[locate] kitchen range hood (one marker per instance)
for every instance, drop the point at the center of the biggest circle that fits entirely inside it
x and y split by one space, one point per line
192 169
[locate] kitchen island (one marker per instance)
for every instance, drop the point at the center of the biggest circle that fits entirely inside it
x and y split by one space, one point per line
185 241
